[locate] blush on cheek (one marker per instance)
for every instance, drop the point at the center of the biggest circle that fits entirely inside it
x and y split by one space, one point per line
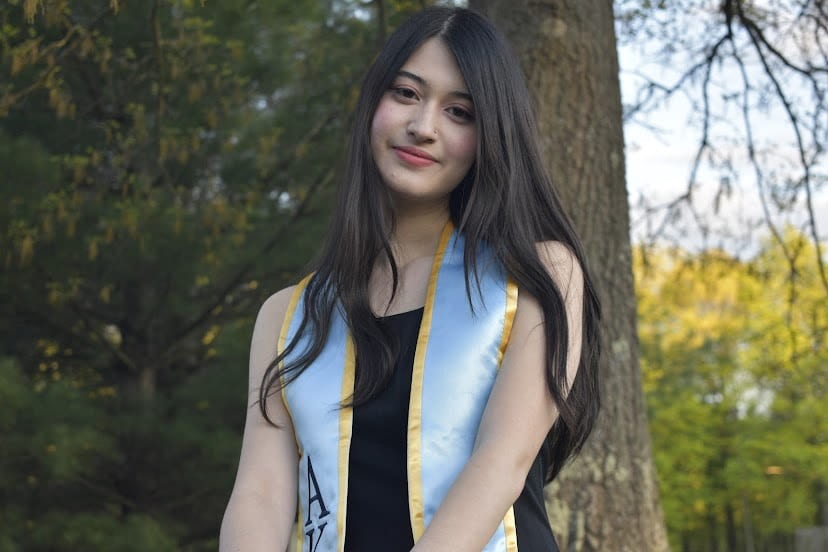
466 148
380 120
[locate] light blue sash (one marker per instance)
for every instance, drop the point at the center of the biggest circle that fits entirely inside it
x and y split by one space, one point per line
455 364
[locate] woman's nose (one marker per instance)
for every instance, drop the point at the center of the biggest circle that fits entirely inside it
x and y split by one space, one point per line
423 124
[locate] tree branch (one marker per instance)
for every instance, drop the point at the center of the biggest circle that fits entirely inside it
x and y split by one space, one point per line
242 272
795 125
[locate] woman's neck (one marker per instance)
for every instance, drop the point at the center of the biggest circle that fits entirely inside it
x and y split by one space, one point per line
417 232
414 243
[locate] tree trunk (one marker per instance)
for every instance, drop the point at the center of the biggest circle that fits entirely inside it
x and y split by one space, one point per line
747 525
730 528
712 533
608 498
685 542
821 492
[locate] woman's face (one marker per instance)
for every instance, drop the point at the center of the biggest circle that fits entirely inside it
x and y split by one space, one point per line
423 135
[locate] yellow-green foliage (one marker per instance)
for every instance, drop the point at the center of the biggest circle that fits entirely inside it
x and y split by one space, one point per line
735 370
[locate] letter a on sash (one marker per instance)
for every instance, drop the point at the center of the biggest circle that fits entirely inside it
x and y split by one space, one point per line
317 496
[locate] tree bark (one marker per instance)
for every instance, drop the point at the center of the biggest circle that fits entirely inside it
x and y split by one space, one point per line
608 498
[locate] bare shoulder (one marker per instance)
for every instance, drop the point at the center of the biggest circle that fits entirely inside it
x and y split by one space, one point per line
272 312
276 305
563 267
264 344
562 264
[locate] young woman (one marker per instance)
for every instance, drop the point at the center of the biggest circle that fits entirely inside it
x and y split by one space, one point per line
440 362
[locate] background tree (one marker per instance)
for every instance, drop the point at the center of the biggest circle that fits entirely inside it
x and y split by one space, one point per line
165 167
754 77
734 374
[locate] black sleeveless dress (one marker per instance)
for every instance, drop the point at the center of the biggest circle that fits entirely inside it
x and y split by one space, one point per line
377 516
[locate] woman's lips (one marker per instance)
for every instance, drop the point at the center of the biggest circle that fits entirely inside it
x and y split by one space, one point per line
414 156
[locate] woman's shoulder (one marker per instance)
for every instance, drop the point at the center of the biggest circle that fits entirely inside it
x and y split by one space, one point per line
272 312
560 261
279 301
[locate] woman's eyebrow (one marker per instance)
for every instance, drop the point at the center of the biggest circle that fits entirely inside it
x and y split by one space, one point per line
420 80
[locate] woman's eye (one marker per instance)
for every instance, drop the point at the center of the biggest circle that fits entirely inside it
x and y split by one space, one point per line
461 113
403 92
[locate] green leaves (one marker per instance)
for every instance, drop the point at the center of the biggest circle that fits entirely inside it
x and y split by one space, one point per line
733 361
154 158
137 533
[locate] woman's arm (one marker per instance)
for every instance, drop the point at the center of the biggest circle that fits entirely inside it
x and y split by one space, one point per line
517 418
262 507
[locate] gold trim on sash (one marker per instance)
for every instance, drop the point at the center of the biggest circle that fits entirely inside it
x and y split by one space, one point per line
283 333
346 417
509 320
415 408
509 527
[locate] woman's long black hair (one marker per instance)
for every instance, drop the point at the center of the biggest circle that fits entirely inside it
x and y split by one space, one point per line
506 200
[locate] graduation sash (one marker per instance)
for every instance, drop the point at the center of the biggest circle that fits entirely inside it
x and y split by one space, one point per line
456 360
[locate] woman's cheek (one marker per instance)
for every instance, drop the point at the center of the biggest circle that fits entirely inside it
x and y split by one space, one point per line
381 120
466 147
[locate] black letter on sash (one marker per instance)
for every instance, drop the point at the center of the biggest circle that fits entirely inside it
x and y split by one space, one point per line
311 547
317 496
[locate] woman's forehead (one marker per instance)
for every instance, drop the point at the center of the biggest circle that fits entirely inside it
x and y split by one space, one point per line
434 66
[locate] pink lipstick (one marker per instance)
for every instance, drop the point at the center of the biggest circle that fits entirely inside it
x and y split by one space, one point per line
414 156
